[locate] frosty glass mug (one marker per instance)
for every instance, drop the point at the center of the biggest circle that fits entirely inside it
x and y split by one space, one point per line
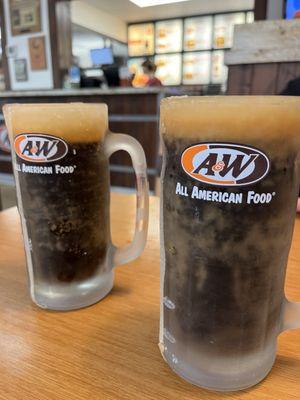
61 165
230 183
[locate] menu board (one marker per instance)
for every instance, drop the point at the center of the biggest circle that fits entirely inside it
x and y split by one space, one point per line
196 68
168 36
219 70
198 33
141 40
169 68
224 27
186 50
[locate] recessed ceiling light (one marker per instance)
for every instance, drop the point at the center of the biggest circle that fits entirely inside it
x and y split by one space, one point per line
149 3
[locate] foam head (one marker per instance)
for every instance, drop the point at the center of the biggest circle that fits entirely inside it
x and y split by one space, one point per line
234 118
73 122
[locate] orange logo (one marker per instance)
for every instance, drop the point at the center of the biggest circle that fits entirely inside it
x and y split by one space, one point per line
39 148
225 164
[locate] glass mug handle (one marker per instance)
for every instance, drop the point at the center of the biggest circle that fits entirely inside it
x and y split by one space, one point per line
291 315
118 141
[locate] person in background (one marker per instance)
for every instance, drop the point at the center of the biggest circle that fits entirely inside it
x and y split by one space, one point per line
149 69
138 79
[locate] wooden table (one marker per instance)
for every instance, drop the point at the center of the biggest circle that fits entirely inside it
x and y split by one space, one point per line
109 351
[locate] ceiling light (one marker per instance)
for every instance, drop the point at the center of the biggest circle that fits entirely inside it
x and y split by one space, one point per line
149 3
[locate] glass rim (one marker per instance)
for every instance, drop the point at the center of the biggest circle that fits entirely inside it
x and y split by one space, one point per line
227 100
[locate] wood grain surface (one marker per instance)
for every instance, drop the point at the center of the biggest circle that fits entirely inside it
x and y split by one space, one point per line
264 42
109 351
261 79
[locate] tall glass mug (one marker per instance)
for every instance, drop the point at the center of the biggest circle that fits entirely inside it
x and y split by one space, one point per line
230 183
61 165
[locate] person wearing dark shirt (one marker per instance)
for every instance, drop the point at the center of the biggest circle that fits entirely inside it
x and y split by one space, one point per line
149 69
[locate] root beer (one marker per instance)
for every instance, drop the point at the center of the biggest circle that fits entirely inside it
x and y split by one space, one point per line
62 182
230 184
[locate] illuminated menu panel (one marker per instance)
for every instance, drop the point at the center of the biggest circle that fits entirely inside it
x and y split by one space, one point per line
196 68
168 36
224 27
219 70
198 33
250 17
169 68
135 65
141 40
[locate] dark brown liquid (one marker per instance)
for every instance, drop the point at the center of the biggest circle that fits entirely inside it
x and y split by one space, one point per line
67 215
225 263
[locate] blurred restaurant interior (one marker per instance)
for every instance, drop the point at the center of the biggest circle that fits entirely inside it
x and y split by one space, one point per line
130 54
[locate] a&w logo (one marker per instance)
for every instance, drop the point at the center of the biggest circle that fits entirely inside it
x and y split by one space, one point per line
38 148
225 164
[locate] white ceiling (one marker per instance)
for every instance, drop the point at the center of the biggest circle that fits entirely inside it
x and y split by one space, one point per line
129 12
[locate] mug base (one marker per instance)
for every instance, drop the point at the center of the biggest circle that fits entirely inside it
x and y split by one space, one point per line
224 382
73 296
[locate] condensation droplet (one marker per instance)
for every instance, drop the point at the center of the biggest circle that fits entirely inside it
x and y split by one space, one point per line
168 336
30 244
168 303
174 359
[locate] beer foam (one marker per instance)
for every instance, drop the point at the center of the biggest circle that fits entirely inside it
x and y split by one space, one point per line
73 122
234 118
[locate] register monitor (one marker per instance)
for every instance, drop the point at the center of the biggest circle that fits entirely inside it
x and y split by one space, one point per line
102 56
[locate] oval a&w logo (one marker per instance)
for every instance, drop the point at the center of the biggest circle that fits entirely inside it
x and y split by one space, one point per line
225 164
39 148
